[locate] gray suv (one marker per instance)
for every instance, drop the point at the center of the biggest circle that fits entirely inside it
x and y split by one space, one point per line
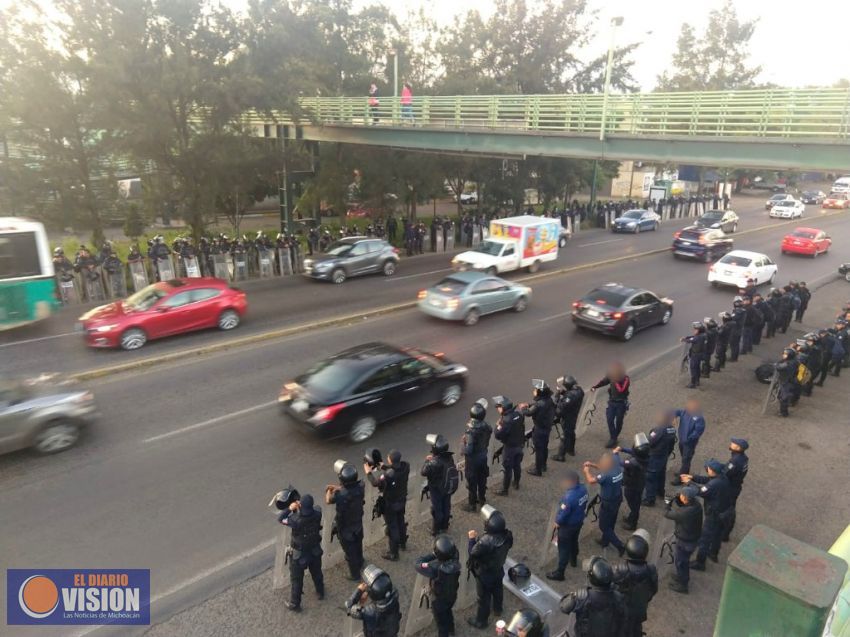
42 415
352 256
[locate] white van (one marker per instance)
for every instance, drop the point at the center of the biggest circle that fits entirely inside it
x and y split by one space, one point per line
842 185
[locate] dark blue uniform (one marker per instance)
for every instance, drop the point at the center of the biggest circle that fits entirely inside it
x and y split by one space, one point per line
737 324
618 403
716 493
570 518
476 469
444 581
348 521
688 519
691 428
611 496
736 471
510 431
662 441
634 481
435 471
305 549
542 412
696 356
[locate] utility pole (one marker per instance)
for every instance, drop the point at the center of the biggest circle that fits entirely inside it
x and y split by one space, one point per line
283 186
615 22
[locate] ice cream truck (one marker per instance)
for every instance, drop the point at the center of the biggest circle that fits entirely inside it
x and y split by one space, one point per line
513 243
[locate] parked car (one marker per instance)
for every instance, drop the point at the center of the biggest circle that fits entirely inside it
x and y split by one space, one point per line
468 198
620 310
353 256
466 296
705 244
808 241
352 392
725 220
777 198
844 270
812 196
636 221
791 209
164 309
739 266
837 201
43 414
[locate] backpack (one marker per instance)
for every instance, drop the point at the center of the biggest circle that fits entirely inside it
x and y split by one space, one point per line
452 479
804 374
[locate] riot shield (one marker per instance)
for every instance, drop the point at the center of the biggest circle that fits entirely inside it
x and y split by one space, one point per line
116 283
373 525
450 240
265 261
93 285
686 356
280 573
420 513
466 594
165 268
588 410
284 261
297 260
662 550
549 547
352 627
138 274
220 270
332 549
537 594
67 289
193 270
439 241
240 267
476 236
772 394
419 616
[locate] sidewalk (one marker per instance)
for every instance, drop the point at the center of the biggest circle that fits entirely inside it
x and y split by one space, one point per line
793 465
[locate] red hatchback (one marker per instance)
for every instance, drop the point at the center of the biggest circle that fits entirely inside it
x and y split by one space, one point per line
164 309
808 241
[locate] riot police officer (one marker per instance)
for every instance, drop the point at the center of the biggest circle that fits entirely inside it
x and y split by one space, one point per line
442 569
711 333
390 479
608 474
619 385
736 472
786 370
691 428
510 431
568 401
637 582
805 297
487 555
724 337
474 446
737 323
349 497
62 265
762 312
697 352
662 442
443 480
600 611
752 322
634 478
568 522
686 512
375 603
542 412
305 548
815 360
786 308
716 494
525 623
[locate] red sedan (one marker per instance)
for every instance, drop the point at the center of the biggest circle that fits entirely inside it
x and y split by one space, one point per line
808 241
164 309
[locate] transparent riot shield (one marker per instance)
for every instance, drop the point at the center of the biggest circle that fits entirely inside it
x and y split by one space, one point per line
450 240
284 261
373 525
240 267
138 274
297 259
686 356
332 549
220 270
67 286
116 283
466 595
93 285
662 550
772 396
538 595
439 241
165 268
419 616
352 627
280 572
265 262
193 270
476 236
591 521
588 411
549 546
420 512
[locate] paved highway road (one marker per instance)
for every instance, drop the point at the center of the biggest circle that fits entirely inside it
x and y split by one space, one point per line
177 474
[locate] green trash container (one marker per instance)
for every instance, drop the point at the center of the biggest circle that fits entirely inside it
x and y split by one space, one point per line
776 586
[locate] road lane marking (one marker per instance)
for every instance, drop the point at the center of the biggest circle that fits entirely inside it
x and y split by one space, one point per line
211 421
597 243
555 316
390 279
36 340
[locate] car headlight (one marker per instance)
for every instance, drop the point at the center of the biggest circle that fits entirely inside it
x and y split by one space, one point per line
716 225
630 223
323 266
106 328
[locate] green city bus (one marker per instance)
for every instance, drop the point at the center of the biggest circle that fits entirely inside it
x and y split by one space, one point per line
27 284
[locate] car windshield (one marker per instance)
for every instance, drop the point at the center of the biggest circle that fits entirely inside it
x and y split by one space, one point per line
803 234
633 214
810 193
427 357
712 215
339 249
145 298
778 197
605 297
492 248
734 259
450 287
328 378
690 235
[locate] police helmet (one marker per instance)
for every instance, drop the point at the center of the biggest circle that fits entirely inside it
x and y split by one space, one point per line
599 572
378 582
539 384
811 336
698 326
725 317
637 548
438 443
58 252
738 299
346 472
641 447
788 352
709 322
567 382
526 622
494 521
503 402
519 574
444 547
284 498
478 411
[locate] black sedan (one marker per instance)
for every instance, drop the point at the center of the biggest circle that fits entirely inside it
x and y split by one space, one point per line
704 244
620 310
725 220
350 393
813 196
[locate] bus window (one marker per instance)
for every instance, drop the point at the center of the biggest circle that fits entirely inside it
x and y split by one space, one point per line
18 255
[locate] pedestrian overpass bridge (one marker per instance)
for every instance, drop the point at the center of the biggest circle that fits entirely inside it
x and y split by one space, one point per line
780 129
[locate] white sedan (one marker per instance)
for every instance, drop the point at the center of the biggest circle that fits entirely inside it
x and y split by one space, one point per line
738 266
791 209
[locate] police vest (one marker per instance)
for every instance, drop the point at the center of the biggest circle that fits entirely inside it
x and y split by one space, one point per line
382 619
638 584
444 587
396 483
349 510
492 552
307 534
601 615
479 434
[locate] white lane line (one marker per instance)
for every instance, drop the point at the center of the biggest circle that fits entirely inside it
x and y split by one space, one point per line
555 316
35 340
597 243
211 421
390 279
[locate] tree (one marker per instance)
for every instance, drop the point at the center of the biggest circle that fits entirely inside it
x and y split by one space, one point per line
715 60
134 222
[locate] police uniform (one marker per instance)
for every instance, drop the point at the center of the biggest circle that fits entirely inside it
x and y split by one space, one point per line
736 473
570 517
787 378
349 501
305 549
567 407
716 494
691 428
391 481
688 520
637 582
435 472
600 611
510 431
542 412
737 323
487 555
444 580
381 615
634 482
696 354
618 405
662 441
724 336
611 496
711 333
476 468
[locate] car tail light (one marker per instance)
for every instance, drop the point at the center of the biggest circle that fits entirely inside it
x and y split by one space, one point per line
677 234
617 315
576 304
328 413
702 241
422 294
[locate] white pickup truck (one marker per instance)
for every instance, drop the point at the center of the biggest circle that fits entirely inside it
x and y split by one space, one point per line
513 243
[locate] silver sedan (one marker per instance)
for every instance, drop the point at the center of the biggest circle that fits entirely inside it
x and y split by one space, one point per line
466 296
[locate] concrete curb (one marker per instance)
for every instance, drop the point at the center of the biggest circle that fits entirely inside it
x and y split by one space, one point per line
381 311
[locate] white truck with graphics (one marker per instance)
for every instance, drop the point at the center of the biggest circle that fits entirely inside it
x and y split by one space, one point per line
513 243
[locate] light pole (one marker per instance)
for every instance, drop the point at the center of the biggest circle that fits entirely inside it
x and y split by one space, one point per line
615 22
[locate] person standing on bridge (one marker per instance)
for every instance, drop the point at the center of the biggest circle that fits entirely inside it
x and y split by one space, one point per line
407 103
373 102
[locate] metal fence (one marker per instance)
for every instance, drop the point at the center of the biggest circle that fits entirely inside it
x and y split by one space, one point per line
776 113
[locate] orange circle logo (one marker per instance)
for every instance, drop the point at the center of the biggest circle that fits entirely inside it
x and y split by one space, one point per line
38 596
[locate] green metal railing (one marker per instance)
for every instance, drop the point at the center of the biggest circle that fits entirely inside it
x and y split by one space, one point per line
822 114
